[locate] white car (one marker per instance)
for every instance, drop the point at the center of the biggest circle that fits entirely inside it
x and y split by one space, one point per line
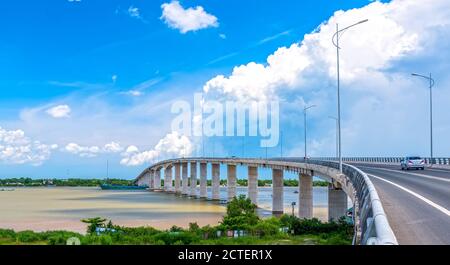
415 162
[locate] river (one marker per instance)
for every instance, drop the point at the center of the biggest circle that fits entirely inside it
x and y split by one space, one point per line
61 208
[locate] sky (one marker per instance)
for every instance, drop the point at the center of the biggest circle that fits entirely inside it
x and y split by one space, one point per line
83 82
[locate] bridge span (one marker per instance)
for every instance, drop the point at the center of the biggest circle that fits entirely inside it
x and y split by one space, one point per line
371 224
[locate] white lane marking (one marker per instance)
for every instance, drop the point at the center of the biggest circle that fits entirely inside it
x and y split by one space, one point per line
429 202
409 173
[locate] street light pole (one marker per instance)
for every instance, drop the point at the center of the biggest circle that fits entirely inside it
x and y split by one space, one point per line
336 44
431 80
337 135
304 118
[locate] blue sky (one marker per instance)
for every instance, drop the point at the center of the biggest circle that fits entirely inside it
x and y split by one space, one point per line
114 68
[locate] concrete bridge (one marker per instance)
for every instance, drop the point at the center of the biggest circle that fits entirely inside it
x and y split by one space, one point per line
371 224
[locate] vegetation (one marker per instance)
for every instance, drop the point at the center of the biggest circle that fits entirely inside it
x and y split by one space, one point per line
77 182
73 182
240 226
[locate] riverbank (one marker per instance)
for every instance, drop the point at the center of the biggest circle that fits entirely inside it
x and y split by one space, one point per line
239 226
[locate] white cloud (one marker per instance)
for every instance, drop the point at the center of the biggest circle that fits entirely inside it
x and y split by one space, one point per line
134 12
172 145
16 148
380 41
92 151
377 58
185 20
113 147
58 112
140 88
134 93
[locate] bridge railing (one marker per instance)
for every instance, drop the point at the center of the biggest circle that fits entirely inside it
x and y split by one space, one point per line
374 228
435 160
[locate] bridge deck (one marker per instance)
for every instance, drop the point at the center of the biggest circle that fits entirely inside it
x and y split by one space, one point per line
417 203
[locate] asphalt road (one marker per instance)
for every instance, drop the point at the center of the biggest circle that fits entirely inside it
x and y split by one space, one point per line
417 203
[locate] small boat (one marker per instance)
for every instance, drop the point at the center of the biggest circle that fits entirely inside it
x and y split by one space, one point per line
296 191
122 187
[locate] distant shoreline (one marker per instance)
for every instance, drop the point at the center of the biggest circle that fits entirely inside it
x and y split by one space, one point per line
77 182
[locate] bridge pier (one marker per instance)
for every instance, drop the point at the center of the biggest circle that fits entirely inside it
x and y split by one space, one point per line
145 180
253 184
185 179
193 182
158 179
177 178
168 179
305 196
152 179
277 191
337 203
231 182
215 181
203 181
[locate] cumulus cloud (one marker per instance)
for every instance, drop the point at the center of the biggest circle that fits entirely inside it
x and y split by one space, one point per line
377 58
185 20
172 145
16 148
385 38
58 112
92 151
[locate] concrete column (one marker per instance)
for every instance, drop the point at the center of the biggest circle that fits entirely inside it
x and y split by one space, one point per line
177 178
231 182
203 181
147 179
337 203
168 179
193 190
185 190
152 179
277 191
215 182
305 196
253 184
158 179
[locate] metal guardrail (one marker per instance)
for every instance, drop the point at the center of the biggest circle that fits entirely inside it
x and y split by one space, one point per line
371 224
435 160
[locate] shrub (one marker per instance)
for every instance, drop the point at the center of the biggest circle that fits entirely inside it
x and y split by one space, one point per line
194 228
170 238
106 240
241 213
175 229
267 227
7 233
28 236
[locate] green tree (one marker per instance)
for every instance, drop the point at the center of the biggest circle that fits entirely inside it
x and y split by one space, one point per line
241 213
94 223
